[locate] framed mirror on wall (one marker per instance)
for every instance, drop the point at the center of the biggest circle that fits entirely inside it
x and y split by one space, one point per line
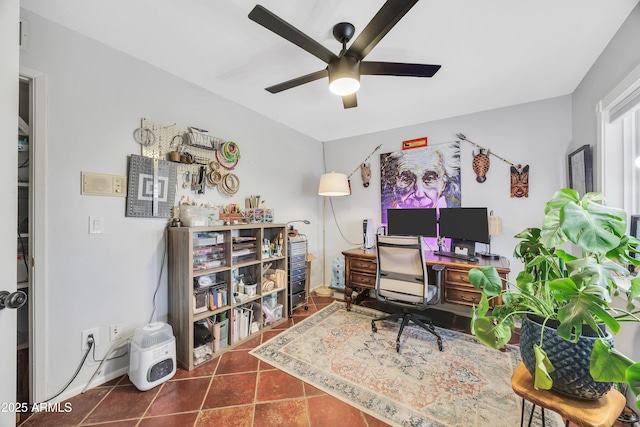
581 170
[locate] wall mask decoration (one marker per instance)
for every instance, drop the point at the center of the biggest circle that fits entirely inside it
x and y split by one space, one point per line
480 164
520 181
365 173
365 170
426 177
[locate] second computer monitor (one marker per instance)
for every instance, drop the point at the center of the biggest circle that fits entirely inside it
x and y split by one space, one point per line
469 224
412 222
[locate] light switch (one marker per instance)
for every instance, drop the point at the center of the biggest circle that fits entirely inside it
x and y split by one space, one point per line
96 225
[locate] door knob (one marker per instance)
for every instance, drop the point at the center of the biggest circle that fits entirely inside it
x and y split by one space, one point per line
12 300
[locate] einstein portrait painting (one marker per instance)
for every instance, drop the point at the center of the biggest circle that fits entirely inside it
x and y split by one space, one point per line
426 177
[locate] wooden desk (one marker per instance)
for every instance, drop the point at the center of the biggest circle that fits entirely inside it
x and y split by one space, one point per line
584 413
360 272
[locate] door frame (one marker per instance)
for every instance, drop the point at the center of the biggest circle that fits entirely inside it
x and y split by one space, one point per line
9 31
38 363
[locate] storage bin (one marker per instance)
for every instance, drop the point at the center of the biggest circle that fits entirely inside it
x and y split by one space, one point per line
270 300
203 353
250 290
194 216
272 315
254 216
298 299
207 238
277 312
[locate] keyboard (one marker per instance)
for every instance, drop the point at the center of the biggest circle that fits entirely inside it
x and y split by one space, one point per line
469 258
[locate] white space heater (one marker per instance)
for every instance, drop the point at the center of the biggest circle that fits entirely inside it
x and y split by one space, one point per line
153 355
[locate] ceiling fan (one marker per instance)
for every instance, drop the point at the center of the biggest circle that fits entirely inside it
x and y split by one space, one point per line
344 70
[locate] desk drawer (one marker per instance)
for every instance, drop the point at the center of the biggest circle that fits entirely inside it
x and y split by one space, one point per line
364 280
455 276
461 296
364 265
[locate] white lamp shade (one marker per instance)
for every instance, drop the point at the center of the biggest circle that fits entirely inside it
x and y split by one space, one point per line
495 225
334 184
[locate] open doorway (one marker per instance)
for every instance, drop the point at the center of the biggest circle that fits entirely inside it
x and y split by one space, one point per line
31 262
23 241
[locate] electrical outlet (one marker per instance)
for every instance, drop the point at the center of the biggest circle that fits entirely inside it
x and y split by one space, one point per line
115 331
85 337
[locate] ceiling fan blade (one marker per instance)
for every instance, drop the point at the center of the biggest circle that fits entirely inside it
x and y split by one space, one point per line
397 69
298 81
388 15
285 30
350 101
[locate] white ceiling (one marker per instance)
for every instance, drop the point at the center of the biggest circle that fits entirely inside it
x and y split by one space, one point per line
494 53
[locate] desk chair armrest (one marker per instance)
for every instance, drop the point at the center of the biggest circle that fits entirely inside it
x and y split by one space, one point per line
438 269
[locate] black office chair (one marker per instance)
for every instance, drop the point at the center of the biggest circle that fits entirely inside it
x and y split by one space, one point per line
402 280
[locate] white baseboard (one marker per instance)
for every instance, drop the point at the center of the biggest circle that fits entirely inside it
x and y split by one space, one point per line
97 381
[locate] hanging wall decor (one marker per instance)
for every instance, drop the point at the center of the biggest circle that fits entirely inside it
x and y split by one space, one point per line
228 155
414 143
520 181
427 177
480 164
365 174
151 187
365 170
198 155
581 170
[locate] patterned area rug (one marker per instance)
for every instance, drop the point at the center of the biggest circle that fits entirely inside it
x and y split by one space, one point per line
467 384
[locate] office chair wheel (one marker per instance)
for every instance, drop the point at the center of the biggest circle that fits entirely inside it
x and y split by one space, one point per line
374 328
440 344
397 346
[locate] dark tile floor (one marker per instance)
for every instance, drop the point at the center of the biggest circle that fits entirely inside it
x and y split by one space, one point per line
235 389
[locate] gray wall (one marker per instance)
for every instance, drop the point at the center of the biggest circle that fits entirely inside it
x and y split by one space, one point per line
535 134
618 60
96 98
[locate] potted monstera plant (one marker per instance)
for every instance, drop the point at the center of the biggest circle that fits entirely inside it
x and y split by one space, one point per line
565 297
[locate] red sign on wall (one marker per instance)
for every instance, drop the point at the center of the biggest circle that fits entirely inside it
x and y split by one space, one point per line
414 143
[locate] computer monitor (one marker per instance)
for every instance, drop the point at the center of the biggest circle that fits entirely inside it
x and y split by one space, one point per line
412 222
470 224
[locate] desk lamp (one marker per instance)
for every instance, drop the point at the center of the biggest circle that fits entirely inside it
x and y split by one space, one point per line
495 229
331 184
291 231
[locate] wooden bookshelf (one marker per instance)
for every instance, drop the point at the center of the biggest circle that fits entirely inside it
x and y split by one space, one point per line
201 258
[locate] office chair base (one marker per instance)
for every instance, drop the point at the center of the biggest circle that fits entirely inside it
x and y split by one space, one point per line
406 317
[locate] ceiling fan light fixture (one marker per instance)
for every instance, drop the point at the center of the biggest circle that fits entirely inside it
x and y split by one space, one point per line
344 86
344 76
344 69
